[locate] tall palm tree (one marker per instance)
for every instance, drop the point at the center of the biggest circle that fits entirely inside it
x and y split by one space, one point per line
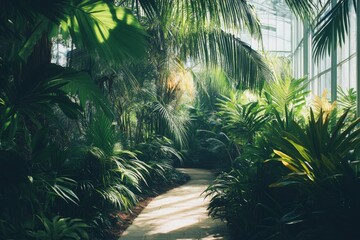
206 32
196 32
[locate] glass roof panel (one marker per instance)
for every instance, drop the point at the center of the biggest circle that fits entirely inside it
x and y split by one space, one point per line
275 18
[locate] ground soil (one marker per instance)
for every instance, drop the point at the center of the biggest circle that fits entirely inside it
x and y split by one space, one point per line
126 219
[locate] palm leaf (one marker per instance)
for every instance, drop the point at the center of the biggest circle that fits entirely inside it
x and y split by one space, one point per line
101 134
176 124
305 9
150 8
55 10
288 93
33 39
196 15
105 30
332 27
81 86
210 85
40 90
242 63
347 99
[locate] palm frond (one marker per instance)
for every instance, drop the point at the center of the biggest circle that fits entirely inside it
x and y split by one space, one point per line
305 9
332 27
61 187
150 8
234 15
285 94
101 134
198 15
55 10
211 84
37 32
242 121
177 124
111 32
119 195
246 66
347 100
40 90
82 87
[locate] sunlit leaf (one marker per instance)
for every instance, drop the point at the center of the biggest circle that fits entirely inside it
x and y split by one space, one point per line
111 32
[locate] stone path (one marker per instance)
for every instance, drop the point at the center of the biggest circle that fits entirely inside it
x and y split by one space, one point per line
179 214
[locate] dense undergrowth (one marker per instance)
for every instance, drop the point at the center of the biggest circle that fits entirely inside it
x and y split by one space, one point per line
293 164
100 99
80 138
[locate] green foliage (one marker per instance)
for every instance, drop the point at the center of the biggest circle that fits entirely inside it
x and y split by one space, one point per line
323 170
308 188
101 28
36 94
319 153
29 189
347 102
62 151
287 94
92 25
210 85
233 198
219 48
84 169
59 228
305 9
110 173
200 30
175 121
242 122
332 26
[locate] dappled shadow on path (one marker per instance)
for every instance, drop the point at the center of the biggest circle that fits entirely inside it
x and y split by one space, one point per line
179 214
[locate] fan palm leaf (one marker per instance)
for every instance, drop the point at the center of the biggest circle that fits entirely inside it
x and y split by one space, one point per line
104 30
97 26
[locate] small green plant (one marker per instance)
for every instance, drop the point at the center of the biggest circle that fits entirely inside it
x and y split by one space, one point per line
242 122
59 228
347 101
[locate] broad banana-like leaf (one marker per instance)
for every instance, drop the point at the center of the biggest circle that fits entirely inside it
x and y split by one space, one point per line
113 33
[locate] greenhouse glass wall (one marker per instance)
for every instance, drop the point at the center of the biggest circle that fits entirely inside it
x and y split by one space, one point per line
337 69
276 24
286 35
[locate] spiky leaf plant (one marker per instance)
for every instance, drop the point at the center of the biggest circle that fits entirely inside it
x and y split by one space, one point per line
323 170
